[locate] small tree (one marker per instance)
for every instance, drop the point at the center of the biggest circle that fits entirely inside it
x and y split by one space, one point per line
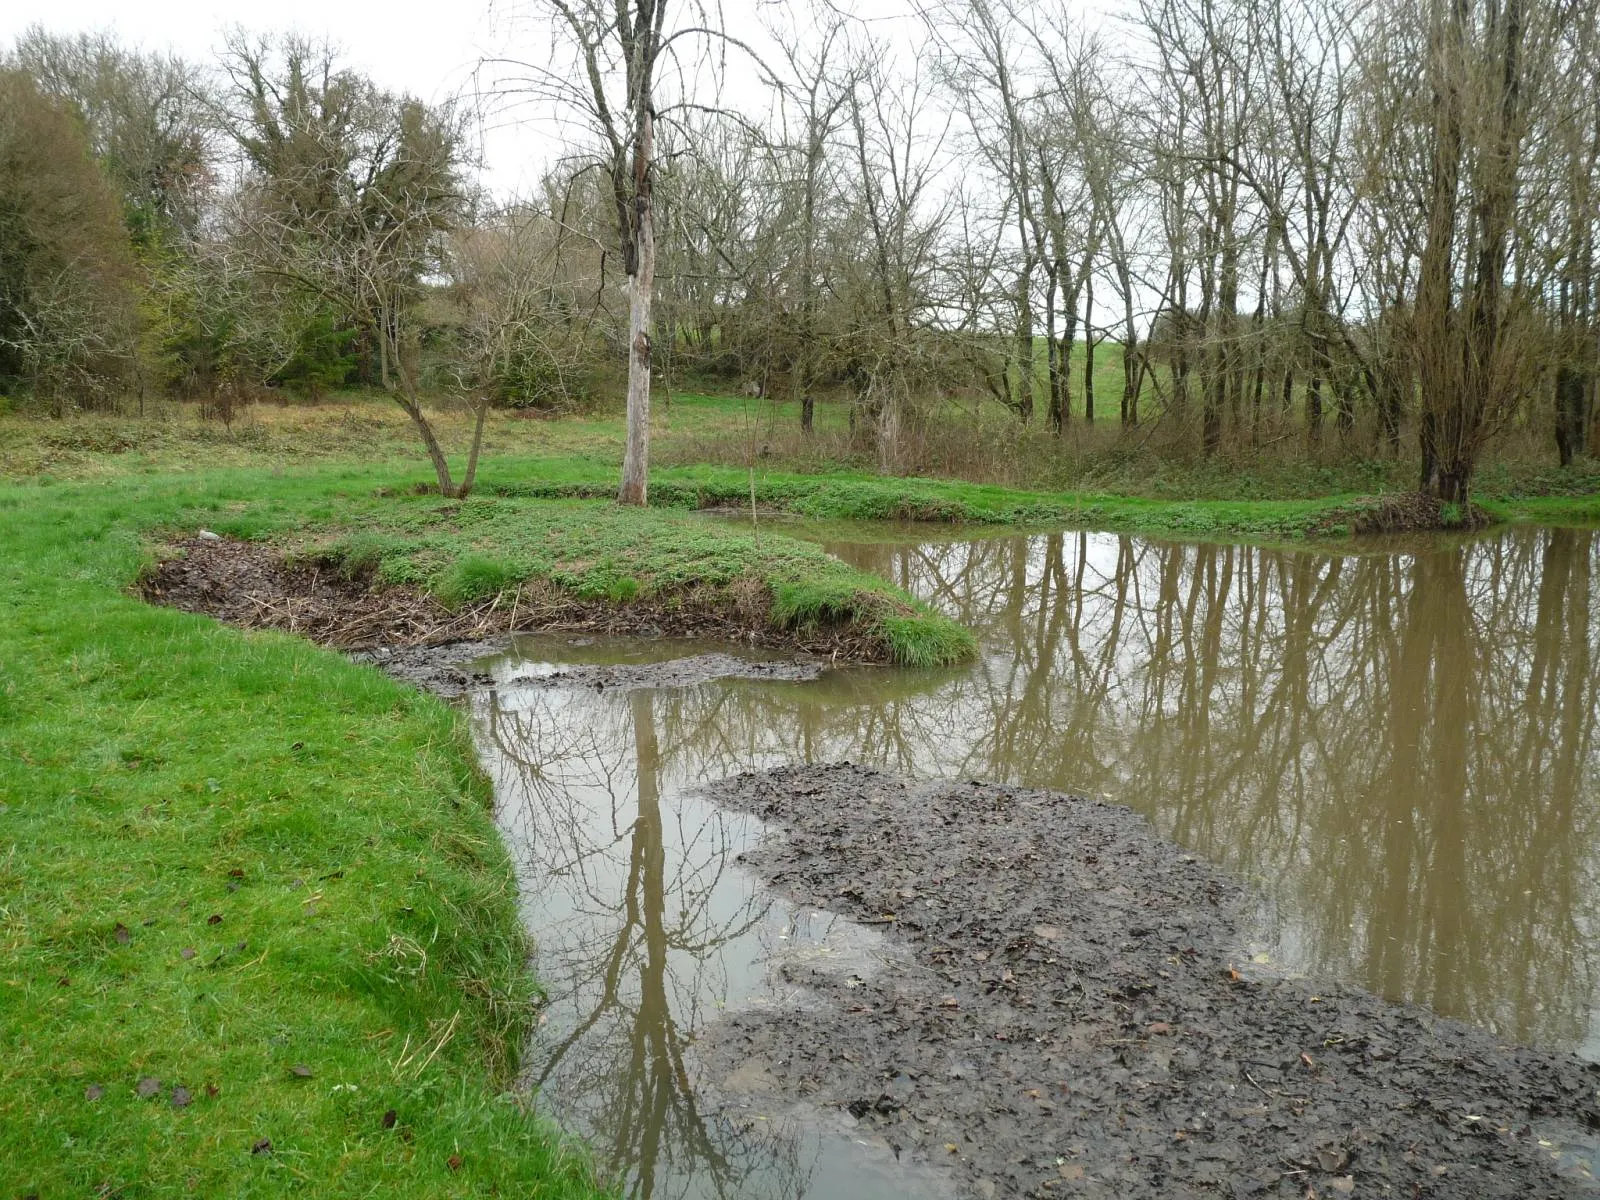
350 195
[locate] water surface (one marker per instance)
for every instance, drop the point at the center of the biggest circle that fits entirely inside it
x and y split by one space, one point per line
1396 747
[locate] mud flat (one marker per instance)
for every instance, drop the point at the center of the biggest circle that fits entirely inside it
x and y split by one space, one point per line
1072 1022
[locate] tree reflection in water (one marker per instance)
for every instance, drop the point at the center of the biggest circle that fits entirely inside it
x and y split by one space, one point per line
1398 747
632 900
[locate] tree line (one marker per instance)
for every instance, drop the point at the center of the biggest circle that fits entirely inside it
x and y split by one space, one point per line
1364 228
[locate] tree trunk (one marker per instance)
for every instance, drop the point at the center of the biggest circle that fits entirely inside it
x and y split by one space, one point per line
1024 342
1088 351
471 475
1053 352
641 284
1571 401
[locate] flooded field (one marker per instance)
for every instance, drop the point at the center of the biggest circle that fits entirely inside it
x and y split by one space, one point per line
1394 748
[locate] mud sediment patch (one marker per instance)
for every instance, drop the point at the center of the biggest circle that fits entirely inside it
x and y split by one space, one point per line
1073 1024
255 586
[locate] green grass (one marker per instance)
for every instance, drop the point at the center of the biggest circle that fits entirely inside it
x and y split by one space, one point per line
592 549
224 857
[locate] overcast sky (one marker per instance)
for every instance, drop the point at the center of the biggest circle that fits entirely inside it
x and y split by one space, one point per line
426 48
430 49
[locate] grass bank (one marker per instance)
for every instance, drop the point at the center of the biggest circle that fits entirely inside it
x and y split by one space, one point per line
707 448
559 560
257 932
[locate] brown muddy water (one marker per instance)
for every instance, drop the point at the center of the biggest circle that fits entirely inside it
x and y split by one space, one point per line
1395 748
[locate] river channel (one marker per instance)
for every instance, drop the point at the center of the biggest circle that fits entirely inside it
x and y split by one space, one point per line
1394 746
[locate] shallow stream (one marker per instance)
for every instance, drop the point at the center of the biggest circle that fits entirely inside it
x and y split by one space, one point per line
1396 747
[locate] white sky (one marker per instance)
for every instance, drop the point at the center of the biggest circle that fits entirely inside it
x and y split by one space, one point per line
430 49
419 46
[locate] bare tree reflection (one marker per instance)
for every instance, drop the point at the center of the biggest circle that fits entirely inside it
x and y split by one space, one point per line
1398 747
637 900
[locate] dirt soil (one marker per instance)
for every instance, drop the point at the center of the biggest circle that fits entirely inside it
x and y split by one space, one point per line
1404 512
1072 1022
253 585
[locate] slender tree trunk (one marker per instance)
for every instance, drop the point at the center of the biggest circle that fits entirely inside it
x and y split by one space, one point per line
1054 349
471 475
1571 403
641 284
1024 344
1088 351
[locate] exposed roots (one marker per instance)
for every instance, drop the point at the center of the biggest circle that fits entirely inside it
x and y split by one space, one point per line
254 586
1404 512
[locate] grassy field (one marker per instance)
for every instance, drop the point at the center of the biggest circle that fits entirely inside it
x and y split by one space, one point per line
723 437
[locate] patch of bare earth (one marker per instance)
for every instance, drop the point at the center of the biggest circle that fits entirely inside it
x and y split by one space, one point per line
1403 512
1069 1021
255 586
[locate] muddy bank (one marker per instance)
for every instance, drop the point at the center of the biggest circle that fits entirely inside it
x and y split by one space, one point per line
446 671
1072 1021
1398 513
253 585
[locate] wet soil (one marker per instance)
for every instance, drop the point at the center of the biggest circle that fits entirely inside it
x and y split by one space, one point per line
1072 1021
1406 512
446 669
255 586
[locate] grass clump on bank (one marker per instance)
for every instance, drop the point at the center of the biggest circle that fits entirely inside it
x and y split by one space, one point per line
600 553
251 896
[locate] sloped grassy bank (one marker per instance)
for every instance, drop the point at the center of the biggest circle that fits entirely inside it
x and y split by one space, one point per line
654 569
416 572
258 934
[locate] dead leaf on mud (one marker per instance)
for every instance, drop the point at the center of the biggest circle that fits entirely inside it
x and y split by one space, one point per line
212 1091
454 1162
214 919
147 1087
